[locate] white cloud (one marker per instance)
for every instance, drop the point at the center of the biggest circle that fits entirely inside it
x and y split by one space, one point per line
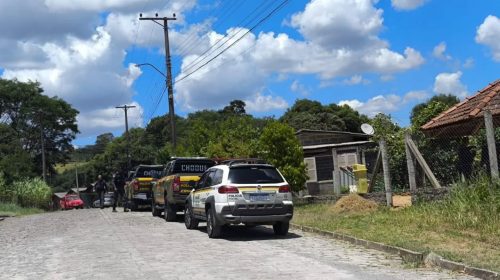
488 33
449 83
340 23
439 52
296 86
108 119
77 56
265 103
407 4
356 80
384 103
469 63
341 39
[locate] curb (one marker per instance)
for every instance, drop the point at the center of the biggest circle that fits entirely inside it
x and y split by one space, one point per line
406 255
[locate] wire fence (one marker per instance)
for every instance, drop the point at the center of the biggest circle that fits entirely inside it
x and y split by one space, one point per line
452 156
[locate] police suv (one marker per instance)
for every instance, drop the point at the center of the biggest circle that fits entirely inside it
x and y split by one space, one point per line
248 192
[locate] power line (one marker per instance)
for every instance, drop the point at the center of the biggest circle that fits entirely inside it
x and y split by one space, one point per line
236 41
186 46
227 38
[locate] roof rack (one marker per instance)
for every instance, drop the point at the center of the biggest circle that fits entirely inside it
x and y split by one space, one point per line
231 162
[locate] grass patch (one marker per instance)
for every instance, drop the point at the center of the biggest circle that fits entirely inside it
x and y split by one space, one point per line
465 227
11 209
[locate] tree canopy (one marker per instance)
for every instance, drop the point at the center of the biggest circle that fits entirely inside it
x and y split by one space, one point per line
31 117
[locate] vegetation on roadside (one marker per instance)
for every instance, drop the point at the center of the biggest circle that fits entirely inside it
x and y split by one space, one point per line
14 210
28 193
463 227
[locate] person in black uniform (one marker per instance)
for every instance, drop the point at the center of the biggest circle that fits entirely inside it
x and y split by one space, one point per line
101 187
119 182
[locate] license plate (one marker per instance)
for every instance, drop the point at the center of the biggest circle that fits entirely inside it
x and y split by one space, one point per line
259 197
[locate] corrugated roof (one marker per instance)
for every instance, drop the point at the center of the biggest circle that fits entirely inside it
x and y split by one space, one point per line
357 143
466 117
303 130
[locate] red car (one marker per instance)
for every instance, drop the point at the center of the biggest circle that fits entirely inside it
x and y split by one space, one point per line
71 201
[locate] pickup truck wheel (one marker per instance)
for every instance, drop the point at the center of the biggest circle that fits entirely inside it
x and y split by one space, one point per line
156 212
189 220
213 229
281 228
170 214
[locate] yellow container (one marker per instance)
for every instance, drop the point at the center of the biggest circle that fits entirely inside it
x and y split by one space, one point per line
362 185
359 171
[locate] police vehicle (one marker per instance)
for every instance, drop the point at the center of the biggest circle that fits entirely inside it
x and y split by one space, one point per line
248 192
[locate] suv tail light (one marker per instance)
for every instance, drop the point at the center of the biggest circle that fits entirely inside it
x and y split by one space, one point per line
136 185
284 189
228 189
176 184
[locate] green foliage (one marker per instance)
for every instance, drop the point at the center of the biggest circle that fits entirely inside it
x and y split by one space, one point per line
440 154
280 147
447 100
26 193
15 162
394 137
308 114
32 116
12 209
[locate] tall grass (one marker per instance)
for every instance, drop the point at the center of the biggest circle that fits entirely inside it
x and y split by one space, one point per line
32 192
465 226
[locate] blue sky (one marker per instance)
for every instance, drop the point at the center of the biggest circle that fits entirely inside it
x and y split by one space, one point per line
376 56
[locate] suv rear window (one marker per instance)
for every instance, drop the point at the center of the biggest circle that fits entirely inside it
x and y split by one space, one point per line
192 166
254 175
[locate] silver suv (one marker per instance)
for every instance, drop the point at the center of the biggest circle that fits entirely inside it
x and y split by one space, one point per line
239 192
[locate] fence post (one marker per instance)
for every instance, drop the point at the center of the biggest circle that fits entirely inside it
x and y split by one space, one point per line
336 172
387 172
490 137
411 164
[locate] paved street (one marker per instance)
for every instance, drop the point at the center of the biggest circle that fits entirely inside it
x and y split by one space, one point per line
99 244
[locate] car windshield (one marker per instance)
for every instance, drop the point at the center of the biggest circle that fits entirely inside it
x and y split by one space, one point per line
254 175
149 171
72 197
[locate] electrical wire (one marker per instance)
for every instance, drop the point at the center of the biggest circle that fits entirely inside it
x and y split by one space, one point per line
268 16
226 38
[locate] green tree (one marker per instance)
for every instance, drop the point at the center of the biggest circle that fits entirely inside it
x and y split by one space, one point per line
308 114
417 115
280 147
235 107
393 134
34 116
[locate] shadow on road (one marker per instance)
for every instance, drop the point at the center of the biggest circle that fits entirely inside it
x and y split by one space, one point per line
243 233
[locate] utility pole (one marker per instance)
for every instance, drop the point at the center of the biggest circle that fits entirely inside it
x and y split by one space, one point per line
169 72
42 141
127 138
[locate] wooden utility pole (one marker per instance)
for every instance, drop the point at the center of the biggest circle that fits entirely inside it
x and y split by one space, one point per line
127 138
169 73
410 163
490 138
387 172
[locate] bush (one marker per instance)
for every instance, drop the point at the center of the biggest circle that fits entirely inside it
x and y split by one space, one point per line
31 193
6 192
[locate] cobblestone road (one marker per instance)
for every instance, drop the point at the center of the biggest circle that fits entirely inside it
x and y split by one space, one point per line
99 244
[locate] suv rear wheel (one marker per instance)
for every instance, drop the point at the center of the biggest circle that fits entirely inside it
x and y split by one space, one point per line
213 229
189 220
281 228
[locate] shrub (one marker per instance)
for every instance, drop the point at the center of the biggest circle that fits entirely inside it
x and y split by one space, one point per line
32 193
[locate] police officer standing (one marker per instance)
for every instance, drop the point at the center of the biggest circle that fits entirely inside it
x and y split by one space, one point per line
101 187
119 182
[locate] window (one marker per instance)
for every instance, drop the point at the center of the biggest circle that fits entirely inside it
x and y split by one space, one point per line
347 159
311 169
217 177
254 175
